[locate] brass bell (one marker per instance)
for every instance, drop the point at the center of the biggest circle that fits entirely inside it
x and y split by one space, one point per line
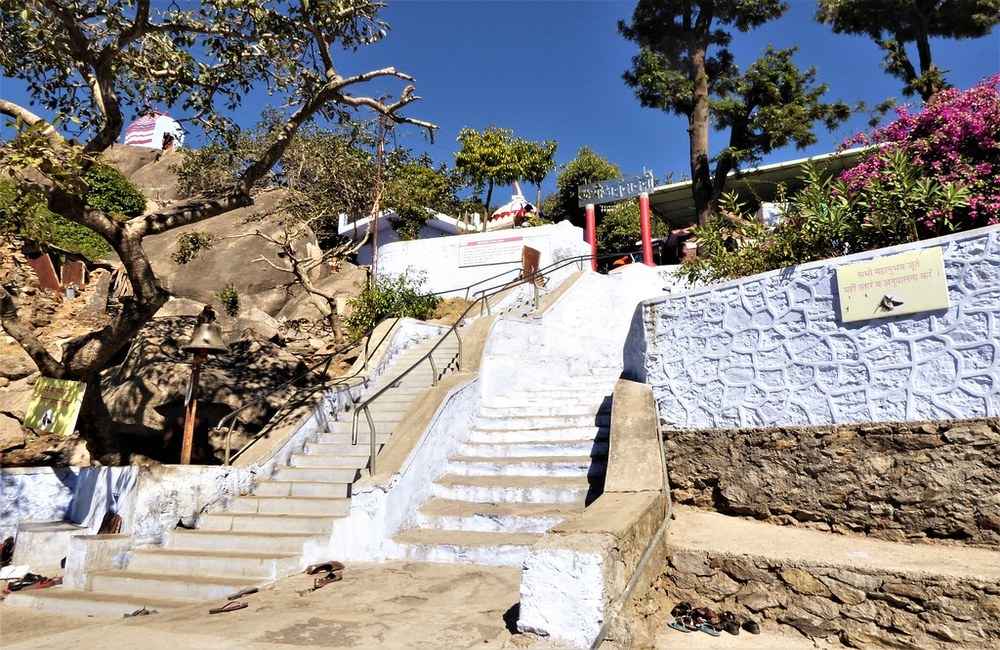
206 339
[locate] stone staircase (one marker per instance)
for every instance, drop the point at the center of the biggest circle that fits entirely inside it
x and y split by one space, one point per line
528 464
259 537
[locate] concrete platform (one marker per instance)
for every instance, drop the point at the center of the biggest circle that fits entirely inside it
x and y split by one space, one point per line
391 605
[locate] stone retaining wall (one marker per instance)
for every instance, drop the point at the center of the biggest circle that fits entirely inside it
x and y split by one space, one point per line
921 481
859 607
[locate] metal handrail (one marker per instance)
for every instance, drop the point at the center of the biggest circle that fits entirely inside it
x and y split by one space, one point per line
483 295
231 418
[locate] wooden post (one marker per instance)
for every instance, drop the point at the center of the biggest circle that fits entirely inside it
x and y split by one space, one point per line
191 409
591 235
645 230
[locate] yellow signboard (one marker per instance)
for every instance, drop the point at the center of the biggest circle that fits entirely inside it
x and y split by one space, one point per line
892 286
55 405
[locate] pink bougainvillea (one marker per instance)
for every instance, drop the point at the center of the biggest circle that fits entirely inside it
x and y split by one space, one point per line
954 140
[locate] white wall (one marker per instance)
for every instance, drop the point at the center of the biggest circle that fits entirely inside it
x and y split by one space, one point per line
389 235
439 258
770 349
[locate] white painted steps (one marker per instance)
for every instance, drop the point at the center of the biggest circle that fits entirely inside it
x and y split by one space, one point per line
498 549
493 517
259 537
513 489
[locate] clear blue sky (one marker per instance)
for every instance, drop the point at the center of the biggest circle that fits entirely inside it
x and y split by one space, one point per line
552 70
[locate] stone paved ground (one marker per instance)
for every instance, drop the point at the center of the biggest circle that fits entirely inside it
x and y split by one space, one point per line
673 640
392 605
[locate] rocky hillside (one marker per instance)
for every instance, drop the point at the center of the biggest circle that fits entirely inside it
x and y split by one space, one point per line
273 328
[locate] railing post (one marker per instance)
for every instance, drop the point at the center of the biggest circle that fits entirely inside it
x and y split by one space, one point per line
371 450
434 372
459 368
354 427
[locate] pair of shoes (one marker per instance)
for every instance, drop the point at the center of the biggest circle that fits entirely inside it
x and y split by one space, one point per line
686 619
730 623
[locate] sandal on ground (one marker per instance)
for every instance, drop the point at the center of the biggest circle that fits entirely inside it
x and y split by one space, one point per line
322 581
25 581
682 624
709 629
142 611
751 626
707 615
328 567
231 606
681 609
242 592
729 623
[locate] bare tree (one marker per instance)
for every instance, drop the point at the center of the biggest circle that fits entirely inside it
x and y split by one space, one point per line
89 62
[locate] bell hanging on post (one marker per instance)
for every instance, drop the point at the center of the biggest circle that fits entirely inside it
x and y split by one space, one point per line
206 339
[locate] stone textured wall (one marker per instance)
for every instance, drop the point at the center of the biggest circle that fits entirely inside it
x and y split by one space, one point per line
859 607
902 482
770 349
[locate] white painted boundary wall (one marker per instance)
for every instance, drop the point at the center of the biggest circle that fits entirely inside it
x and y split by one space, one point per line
770 349
152 499
438 258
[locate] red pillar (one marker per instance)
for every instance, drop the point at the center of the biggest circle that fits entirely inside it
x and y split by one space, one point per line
591 235
645 230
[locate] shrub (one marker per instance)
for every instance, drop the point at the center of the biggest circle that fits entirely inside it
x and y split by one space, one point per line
954 140
108 190
27 216
190 245
229 297
389 297
930 173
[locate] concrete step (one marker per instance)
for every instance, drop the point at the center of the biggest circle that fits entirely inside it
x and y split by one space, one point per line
864 591
493 517
554 408
291 506
318 489
75 602
382 427
337 448
329 474
499 549
535 448
175 561
515 423
165 585
209 540
264 523
551 434
512 489
331 438
526 466
339 461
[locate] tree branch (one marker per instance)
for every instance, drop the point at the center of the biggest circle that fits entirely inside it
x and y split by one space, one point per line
19 112
20 332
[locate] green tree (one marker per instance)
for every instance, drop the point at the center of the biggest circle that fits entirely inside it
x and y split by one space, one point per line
587 167
894 23
91 63
488 158
684 66
619 229
415 187
537 161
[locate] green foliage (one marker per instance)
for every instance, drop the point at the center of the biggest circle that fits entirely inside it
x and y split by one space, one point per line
25 215
109 191
684 66
488 158
823 220
587 167
891 24
389 297
416 187
619 230
229 298
190 245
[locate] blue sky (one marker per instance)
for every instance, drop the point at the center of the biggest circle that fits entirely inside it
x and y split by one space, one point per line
552 70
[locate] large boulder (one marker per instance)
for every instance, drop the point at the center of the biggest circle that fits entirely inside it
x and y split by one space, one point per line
157 180
348 281
145 396
234 258
128 159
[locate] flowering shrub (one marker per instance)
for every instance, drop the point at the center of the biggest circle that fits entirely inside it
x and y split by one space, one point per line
954 140
933 172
